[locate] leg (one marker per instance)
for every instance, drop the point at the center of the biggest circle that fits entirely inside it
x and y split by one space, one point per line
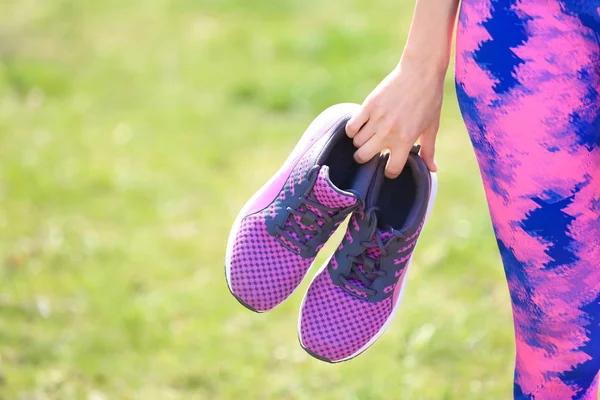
528 77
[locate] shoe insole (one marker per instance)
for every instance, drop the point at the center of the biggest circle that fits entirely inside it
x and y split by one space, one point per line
397 198
342 167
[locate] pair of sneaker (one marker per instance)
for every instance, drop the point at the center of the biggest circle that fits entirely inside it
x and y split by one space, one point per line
281 229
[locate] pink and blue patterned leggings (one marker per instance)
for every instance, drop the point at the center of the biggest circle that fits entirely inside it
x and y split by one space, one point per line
528 82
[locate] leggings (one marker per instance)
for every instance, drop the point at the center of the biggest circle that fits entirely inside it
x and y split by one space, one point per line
528 82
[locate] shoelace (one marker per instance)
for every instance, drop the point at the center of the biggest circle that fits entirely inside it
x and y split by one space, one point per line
311 223
370 266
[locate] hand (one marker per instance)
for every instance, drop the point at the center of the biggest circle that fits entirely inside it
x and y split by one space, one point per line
406 106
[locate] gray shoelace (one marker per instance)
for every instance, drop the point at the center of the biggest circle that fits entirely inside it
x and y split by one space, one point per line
311 223
370 266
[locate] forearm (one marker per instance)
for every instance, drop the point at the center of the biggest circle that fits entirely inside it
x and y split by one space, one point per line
430 37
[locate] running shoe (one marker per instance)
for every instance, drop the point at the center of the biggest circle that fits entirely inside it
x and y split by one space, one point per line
280 230
354 297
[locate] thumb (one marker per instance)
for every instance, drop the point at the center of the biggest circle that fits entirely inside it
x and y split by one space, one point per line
427 142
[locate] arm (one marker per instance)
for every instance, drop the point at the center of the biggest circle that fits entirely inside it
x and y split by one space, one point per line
406 105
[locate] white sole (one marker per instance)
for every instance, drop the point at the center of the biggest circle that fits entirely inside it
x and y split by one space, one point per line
328 118
398 301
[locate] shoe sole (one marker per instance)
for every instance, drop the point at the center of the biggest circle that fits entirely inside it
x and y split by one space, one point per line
329 118
388 321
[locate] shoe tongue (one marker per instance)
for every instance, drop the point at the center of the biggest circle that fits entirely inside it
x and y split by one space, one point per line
386 231
373 253
386 234
327 194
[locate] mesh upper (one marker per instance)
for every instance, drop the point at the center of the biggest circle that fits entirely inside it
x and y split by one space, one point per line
263 271
335 325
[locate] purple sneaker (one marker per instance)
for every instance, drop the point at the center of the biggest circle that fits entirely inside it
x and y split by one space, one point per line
353 298
280 230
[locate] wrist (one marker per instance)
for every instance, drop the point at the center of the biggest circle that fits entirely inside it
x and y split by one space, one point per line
429 62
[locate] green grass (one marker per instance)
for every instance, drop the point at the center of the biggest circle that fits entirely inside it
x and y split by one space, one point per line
131 132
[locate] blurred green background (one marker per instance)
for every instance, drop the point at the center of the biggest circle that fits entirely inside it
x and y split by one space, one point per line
131 132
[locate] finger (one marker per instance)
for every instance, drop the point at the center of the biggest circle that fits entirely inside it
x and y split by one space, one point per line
369 150
365 134
427 142
397 160
355 123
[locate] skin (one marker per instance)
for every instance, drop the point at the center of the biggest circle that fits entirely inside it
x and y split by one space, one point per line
406 105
